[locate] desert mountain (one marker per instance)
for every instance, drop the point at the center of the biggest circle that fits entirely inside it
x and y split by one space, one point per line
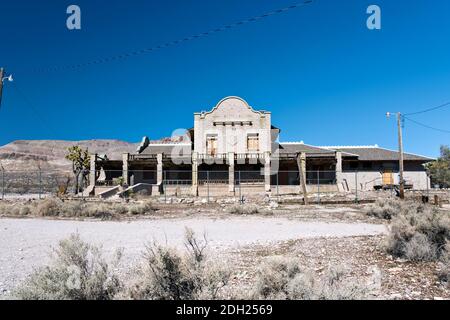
50 154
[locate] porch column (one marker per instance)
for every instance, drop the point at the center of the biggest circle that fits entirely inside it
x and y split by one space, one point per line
92 169
125 158
267 171
159 169
301 163
231 171
195 174
338 167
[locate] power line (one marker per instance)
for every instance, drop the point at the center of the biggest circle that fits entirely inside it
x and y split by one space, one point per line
426 126
428 110
174 42
32 107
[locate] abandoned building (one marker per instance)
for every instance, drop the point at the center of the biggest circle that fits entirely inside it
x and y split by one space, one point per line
235 147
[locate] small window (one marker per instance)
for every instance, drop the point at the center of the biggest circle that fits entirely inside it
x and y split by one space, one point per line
253 142
211 145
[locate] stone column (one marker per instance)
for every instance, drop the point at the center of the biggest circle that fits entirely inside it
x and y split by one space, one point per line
159 169
338 168
92 169
230 171
195 174
125 158
267 171
301 164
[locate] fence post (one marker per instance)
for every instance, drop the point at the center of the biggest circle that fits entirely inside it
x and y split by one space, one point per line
40 183
356 186
164 186
207 185
3 183
318 187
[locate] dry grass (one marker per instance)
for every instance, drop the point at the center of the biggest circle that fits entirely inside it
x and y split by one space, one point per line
55 207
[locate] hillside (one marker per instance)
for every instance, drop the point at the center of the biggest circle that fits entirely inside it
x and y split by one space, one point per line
49 154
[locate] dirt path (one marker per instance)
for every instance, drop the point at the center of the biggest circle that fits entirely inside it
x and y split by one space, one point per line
25 243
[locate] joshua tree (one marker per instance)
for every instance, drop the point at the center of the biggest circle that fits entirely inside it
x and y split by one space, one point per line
80 165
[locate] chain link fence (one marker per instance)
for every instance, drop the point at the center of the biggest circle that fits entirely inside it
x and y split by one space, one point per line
321 185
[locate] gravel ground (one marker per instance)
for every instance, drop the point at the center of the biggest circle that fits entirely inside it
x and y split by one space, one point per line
27 243
362 256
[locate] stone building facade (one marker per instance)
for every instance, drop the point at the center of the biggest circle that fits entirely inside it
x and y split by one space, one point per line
235 145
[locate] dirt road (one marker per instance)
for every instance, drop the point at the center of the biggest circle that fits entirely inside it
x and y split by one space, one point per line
26 243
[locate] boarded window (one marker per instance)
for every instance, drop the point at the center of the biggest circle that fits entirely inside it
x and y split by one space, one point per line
211 145
253 142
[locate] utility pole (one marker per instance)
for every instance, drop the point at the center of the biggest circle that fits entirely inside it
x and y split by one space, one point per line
400 151
3 78
1 85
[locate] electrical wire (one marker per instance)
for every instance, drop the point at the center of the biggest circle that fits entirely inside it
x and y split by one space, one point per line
426 126
174 42
430 109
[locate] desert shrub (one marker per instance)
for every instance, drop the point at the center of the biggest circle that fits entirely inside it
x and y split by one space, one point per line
14 209
141 208
385 208
77 272
283 278
48 207
444 265
419 233
242 209
56 207
168 275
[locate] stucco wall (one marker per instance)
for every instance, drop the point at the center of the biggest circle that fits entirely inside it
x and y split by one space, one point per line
232 137
368 179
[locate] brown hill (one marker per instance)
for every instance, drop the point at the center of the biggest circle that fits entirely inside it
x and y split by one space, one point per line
50 154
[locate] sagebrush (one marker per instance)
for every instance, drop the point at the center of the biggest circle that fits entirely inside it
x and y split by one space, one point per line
55 207
419 233
444 265
385 208
166 274
78 271
242 209
283 278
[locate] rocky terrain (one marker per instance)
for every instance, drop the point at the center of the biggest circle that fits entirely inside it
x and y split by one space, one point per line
50 154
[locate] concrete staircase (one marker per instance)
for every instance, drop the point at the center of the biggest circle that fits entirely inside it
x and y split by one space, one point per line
110 192
135 188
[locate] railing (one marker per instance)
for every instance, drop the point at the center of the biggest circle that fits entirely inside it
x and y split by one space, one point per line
143 156
205 156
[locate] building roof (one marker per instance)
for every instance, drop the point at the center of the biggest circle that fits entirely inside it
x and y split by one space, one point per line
375 153
167 148
296 147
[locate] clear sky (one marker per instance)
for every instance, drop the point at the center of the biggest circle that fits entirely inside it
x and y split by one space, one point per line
327 79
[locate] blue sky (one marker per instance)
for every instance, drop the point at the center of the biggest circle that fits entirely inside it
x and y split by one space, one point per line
327 79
